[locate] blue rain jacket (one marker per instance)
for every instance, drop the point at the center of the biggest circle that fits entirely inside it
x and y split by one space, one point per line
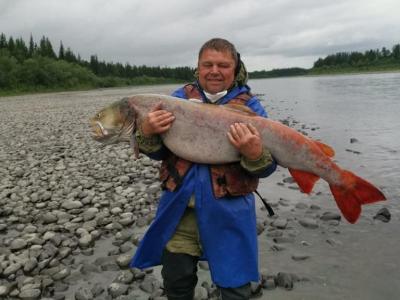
227 226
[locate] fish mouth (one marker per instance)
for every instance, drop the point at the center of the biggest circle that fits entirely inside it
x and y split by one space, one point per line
105 135
99 133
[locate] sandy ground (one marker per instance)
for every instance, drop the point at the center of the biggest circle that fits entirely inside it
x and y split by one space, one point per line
327 259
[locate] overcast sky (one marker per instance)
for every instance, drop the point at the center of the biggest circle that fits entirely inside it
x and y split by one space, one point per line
268 33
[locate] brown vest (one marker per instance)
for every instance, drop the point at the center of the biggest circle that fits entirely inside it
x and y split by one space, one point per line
227 179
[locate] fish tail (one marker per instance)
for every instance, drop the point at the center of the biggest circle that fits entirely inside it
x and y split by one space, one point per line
352 193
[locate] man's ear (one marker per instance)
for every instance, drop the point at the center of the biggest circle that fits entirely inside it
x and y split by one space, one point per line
238 63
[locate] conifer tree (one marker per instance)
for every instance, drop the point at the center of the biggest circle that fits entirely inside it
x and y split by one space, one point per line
61 54
3 41
396 52
32 47
11 45
70 56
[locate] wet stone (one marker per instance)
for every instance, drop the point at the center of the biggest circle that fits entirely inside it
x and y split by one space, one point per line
63 273
3 228
49 217
4 290
280 223
308 223
124 260
97 290
383 215
83 294
125 277
301 206
328 216
18 244
30 294
200 293
116 289
300 257
30 265
12 269
283 239
72 204
285 280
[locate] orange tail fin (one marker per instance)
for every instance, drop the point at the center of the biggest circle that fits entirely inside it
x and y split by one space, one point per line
353 193
305 180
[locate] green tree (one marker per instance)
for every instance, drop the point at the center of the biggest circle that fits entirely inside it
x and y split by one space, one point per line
70 56
32 47
396 52
20 51
94 64
3 41
61 54
45 48
7 65
385 52
11 45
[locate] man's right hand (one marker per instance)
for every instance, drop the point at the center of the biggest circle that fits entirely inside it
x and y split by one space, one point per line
157 121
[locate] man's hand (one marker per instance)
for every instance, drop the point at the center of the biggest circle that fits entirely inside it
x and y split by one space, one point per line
157 121
246 139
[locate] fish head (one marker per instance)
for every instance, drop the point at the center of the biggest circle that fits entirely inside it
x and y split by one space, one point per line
114 123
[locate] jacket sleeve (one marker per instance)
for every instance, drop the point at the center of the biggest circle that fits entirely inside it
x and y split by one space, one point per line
153 146
266 164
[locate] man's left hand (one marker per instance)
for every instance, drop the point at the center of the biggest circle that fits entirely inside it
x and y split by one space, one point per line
246 139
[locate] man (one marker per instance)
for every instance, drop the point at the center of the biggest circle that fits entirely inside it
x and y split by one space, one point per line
207 211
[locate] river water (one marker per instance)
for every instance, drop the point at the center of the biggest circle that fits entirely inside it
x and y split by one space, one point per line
365 107
338 110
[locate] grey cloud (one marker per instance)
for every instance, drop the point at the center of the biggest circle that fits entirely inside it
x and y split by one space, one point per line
169 33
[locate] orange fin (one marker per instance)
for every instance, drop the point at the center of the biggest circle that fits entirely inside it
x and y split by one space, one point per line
328 150
353 193
240 108
305 180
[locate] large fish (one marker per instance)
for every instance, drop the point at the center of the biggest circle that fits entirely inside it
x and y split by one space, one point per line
199 134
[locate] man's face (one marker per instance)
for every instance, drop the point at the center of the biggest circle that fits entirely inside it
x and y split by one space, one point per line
216 70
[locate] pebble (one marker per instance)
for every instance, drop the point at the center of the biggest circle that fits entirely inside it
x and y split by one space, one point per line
125 276
18 244
124 260
83 294
308 223
85 241
72 204
300 257
97 290
30 294
116 289
12 269
200 293
4 290
328 216
280 223
383 215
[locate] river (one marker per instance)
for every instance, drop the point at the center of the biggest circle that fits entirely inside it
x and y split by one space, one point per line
364 107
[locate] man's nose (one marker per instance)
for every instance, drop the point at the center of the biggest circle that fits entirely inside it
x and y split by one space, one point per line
215 69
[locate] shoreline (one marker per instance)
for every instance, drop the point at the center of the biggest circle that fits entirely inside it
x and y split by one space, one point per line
4 94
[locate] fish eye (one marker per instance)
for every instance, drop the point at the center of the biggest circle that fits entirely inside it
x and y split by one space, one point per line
98 115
